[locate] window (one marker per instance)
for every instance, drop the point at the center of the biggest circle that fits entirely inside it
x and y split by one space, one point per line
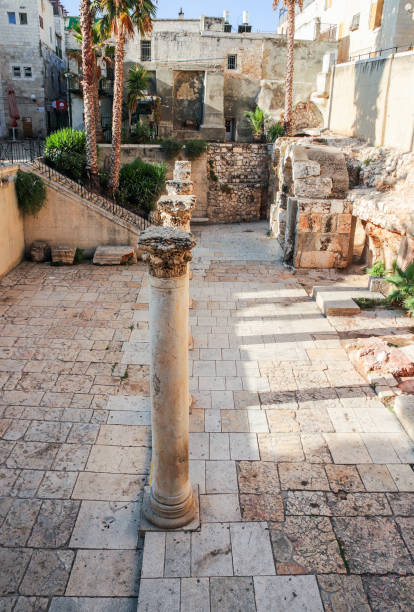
355 22
27 72
16 72
12 18
23 18
231 62
145 50
41 21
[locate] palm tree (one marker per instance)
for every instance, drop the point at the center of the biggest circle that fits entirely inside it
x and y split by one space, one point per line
257 120
137 84
291 7
88 97
120 17
100 50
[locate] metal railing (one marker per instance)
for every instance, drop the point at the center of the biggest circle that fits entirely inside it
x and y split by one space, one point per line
377 53
20 151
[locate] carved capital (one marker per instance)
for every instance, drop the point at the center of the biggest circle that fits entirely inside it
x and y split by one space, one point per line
176 211
168 250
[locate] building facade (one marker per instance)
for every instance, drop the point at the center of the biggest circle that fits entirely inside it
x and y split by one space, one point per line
32 64
362 27
207 75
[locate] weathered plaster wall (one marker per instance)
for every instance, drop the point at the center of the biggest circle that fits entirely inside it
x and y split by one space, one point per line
11 223
238 186
372 99
65 219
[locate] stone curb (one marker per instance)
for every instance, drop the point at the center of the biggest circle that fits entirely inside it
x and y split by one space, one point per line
404 409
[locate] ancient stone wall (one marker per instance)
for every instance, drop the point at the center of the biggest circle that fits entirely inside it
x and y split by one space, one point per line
238 182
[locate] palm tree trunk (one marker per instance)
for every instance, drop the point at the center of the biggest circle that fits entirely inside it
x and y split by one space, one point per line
117 112
96 78
290 68
88 97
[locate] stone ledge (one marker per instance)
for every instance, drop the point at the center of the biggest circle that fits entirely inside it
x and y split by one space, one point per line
404 409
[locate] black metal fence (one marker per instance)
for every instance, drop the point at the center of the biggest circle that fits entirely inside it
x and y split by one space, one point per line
377 54
20 151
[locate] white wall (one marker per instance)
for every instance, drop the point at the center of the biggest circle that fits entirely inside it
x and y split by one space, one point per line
371 100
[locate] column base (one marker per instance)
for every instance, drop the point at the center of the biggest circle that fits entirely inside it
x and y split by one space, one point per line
152 521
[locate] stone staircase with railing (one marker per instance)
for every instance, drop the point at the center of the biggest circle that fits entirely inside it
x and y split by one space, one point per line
55 178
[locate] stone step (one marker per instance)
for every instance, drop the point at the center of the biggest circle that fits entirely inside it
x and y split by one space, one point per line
199 220
114 255
338 300
404 409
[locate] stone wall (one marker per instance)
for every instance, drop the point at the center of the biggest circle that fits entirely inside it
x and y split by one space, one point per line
238 188
11 223
311 216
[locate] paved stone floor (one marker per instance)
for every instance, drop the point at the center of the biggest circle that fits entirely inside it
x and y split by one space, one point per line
307 491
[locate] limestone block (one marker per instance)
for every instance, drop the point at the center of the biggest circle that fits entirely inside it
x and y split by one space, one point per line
344 223
404 409
375 356
313 187
63 254
303 169
182 171
176 187
114 255
316 259
39 251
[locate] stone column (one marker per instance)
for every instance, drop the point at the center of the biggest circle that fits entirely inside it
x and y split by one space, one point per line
171 503
213 122
175 209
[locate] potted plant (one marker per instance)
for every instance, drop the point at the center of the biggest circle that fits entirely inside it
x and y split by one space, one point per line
257 119
377 281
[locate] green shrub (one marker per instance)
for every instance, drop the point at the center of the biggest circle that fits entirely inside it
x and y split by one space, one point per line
140 134
31 192
377 270
195 148
171 147
275 131
403 281
65 150
141 184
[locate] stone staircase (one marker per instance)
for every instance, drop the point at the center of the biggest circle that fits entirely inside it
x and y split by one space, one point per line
60 181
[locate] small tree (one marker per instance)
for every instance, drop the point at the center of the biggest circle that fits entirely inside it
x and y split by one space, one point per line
137 85
257 119
291 8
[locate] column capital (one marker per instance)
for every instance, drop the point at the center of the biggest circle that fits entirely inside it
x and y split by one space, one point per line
176 210
168 250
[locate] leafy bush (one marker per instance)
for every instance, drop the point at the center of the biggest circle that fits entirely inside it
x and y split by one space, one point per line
31 192
65 150
171 148
377 270
140 134
403 281
275 131
195 148
141 184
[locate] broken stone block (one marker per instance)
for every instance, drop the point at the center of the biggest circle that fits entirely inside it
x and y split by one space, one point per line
313 187
175 187
374 356
39 251
114 255
64 255
302 169
182 170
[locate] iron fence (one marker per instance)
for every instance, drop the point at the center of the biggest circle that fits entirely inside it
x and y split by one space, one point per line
377 53
23 151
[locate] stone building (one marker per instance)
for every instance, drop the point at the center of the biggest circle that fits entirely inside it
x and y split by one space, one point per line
207 75
361 26
32 63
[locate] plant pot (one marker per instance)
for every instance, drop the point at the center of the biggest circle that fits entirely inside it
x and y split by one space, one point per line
258 137
378 284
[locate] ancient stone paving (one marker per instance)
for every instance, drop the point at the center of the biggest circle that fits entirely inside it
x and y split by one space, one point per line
307 492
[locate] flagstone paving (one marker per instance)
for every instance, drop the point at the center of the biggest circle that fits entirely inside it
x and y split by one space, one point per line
305 477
